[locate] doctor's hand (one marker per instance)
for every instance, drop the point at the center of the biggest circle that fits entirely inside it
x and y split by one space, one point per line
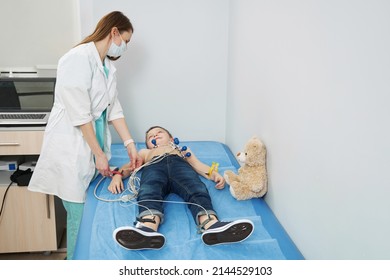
135 159
102 166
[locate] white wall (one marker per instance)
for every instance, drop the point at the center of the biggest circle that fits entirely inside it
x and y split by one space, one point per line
311 78
174 72
36 32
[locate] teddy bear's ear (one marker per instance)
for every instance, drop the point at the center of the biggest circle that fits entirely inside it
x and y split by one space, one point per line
256 139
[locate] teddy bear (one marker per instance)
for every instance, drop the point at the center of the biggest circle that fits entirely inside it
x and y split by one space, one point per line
251 180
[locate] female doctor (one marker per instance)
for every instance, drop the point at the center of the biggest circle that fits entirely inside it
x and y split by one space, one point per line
76 145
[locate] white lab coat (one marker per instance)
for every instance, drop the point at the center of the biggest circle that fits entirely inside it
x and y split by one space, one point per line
66 166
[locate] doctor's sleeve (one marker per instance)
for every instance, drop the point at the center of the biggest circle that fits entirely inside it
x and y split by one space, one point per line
74 80
116 111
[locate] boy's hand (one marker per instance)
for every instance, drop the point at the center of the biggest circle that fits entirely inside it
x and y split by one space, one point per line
217 178
116 185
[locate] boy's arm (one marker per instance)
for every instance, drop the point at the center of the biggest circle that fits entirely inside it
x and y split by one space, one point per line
143 154
116 184
203 170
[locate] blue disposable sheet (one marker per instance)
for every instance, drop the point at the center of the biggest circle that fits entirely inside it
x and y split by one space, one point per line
95 241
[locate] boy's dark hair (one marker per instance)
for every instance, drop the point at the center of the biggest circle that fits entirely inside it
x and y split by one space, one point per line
153 127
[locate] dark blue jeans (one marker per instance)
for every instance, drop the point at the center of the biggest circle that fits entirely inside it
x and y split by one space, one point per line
172 174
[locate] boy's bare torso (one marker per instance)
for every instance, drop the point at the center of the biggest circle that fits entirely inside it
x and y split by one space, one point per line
148 154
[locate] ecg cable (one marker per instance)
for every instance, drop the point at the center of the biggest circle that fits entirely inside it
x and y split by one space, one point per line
133 182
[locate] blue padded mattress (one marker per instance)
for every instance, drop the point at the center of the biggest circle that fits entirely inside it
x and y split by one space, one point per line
269 240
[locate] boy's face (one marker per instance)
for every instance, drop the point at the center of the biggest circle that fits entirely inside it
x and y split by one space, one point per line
160 135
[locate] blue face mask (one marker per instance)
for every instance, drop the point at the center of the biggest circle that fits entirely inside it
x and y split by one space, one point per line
115 50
